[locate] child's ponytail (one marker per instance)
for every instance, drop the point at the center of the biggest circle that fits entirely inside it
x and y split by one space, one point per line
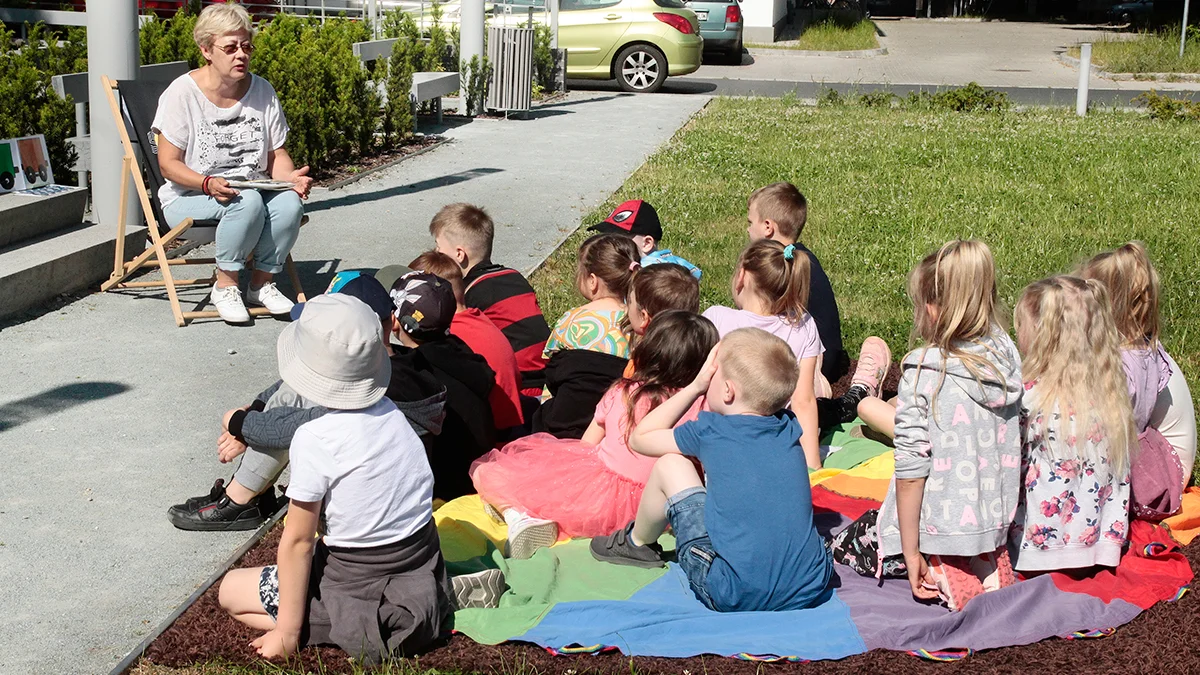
782 276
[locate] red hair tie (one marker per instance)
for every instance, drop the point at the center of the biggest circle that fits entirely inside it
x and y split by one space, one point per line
635 266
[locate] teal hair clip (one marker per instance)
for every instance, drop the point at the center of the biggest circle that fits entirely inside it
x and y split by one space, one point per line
789 251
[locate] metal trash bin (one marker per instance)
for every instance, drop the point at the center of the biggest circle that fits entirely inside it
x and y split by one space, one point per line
510 54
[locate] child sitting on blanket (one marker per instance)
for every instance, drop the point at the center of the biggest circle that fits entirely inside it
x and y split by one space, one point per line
638 220
747 541
1077 428
589 487
779 212
362 470
589 346
957 440
656 289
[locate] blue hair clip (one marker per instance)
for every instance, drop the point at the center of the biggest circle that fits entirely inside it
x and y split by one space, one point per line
789 252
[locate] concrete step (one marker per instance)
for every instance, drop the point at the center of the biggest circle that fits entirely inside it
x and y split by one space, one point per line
25 217
71 259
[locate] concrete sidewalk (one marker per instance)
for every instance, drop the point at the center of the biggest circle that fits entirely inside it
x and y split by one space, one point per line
109 413
942 53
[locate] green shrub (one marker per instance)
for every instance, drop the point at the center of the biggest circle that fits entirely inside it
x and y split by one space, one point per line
476 74
877 99
830 98
543 59
163 41
331 107
971 98
398 119
28 105
1164 107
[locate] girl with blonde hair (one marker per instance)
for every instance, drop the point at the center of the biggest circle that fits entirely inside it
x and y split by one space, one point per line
946 517
1078 429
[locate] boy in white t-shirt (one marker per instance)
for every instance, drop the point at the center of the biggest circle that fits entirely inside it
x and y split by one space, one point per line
361 468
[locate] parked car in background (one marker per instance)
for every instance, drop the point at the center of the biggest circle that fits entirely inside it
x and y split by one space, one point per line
1136 13
720 26
636 42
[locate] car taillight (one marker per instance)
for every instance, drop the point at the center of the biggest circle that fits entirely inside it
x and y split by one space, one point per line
679 23
733 14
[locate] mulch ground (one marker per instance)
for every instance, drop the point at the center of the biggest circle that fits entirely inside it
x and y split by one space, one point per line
1165 639
336 174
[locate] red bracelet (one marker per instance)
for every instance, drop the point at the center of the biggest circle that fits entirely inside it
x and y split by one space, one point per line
204 185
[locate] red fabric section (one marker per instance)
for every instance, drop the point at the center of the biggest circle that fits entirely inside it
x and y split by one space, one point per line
482 336
512 309
1143 577
851 507
530 360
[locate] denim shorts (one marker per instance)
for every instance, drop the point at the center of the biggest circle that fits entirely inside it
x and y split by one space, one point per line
694 550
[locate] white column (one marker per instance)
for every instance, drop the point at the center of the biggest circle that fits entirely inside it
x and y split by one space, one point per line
470 43
112 50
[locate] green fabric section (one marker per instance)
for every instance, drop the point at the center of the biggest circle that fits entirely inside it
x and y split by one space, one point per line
854 451
563 573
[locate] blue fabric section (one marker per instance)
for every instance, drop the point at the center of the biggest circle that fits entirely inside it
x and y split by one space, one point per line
665 619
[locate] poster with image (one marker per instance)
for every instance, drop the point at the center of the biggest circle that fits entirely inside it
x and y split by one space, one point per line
11 177
35 161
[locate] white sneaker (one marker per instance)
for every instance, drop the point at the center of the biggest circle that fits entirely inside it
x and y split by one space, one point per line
527 534
269 296
228 303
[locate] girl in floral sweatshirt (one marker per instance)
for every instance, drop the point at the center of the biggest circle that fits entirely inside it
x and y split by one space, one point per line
1078 429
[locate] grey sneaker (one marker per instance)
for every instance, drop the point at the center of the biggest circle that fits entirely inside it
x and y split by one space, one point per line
480 590
618 548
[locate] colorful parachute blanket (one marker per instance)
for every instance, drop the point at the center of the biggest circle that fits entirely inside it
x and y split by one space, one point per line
567 602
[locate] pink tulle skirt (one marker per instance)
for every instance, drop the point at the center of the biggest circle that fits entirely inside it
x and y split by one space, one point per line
560 480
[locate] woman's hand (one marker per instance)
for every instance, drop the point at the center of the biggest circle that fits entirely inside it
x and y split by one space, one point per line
275 644
229 447
218 189
301 183
919 578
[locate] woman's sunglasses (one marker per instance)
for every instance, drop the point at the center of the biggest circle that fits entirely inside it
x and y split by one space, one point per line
233 48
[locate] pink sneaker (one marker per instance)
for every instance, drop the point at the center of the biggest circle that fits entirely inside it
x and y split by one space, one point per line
874 360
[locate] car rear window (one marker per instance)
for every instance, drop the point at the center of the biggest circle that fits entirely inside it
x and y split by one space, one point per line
670 4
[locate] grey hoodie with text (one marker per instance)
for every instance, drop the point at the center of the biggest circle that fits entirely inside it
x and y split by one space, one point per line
964 439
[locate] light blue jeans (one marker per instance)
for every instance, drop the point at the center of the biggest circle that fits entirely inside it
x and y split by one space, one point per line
265 222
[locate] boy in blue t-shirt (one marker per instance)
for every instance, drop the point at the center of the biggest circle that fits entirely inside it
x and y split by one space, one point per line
747 542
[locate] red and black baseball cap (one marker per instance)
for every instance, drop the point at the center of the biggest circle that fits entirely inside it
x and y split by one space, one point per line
634 217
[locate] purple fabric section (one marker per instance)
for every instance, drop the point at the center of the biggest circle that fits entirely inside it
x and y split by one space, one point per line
888 617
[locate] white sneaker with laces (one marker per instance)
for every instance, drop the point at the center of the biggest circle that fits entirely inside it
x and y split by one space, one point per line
269 296
527 534
228 303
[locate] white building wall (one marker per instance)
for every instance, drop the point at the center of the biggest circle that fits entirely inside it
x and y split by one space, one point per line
761 17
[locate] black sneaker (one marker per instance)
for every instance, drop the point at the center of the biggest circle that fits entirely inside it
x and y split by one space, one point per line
213 495
217 513
618 548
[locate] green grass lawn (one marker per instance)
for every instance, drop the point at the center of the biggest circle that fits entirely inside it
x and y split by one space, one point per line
830 36
1149 52
1044 189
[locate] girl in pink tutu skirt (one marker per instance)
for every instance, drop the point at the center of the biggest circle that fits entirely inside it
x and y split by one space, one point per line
541 485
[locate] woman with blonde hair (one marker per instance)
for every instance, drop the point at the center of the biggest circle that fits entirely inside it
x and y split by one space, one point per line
1078 429
219 123
945 521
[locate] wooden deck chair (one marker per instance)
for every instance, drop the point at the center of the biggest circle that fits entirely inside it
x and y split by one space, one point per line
133 106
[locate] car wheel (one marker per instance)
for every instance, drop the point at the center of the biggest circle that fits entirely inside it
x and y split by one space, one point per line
641 68
734 57
7 180
30 174
43 174
1126 19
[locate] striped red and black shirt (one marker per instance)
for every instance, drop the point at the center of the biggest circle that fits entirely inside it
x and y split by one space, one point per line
506 297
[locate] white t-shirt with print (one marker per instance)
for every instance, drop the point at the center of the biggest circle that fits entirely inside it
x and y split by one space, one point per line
369 468
232 142
802 336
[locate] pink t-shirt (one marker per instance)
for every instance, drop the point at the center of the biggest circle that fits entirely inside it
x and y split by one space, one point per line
802 337
614 450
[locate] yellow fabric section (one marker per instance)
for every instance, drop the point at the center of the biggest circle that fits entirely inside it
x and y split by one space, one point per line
868 480
466 530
